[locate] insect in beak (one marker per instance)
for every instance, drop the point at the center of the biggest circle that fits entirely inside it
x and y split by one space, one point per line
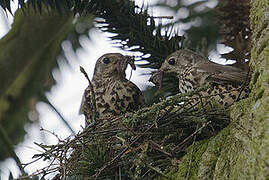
130 60
157 78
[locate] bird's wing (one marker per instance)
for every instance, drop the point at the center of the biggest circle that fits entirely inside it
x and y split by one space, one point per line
86 104
219 72
138 98
82 104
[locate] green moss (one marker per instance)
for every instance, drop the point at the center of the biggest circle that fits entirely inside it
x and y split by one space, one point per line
210 157
259 15
255 76
196 156
259 94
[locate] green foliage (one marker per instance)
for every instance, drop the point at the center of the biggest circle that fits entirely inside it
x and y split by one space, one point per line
203 34
136 31
25 74
133 26
25 77
93 157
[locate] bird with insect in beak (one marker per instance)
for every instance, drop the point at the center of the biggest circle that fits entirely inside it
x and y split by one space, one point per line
194 71
114 94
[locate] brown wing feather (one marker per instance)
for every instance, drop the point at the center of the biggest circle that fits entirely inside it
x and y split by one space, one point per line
219 72
87 104
138 98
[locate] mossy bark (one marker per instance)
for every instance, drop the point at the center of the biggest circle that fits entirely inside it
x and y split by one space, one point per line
240 151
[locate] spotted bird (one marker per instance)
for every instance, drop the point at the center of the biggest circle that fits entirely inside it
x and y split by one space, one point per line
114 94
194 71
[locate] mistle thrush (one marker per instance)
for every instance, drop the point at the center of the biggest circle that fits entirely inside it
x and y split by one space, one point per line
194 71
114 94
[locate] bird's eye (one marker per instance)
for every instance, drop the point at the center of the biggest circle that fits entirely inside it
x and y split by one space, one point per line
172 61
106 60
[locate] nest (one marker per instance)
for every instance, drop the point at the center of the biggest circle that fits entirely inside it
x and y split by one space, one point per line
142 145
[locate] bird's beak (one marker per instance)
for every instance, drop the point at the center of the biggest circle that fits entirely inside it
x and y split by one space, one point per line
122 64
157 78
130 60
